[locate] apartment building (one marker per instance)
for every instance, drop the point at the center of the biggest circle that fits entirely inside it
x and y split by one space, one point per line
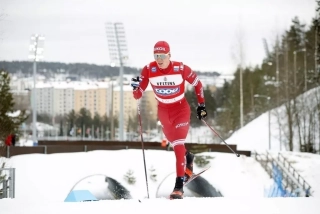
59 98
45 99
129 103
63 98
92 96
148 105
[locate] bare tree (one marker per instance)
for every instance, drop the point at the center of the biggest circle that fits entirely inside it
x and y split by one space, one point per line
307 124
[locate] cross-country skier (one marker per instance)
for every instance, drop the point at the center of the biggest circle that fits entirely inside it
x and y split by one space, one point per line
167 79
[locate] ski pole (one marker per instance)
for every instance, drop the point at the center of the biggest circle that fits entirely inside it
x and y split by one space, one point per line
142 145
216 133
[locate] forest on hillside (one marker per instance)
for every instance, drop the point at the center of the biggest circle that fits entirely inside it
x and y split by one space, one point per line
77 70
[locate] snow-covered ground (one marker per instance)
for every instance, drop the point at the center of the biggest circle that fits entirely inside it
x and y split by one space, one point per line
188 205
255 134
44 181
234 177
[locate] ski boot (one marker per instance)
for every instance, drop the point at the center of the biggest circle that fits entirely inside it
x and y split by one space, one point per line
178 189
189 167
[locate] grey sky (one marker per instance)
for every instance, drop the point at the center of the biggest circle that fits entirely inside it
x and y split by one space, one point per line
202 33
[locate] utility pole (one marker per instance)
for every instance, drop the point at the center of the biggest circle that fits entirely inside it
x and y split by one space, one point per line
287 68
241 98
278 86
294 72
35 53
305 61
241 85
316 42
269 116
111 115
305 69
277 71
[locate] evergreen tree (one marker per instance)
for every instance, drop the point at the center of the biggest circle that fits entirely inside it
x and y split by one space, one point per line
9 124
153 174
201 160
84 120
71 119
106 125
44 118
61 128
133 124
129 177
193 102
96 122
211 103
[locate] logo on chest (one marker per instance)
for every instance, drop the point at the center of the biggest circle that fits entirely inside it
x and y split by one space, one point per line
167 91
164 83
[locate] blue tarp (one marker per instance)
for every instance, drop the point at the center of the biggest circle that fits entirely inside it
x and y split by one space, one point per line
80 195
277 189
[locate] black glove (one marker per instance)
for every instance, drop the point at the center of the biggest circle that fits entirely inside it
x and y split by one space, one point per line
201 111
135 82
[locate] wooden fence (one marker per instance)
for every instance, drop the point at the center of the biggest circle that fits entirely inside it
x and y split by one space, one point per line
50 147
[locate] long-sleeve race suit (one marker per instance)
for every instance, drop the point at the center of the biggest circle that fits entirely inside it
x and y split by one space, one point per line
173 109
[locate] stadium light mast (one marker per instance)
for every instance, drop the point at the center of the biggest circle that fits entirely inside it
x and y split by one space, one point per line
118 55
35 53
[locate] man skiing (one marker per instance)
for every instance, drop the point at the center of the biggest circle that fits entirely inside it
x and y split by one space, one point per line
167 79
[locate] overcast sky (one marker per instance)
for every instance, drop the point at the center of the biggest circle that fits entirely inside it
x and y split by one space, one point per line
203 34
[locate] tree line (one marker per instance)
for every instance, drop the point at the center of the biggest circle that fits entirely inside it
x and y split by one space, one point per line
74 70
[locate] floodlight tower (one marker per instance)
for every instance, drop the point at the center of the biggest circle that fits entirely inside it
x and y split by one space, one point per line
118 55
35 53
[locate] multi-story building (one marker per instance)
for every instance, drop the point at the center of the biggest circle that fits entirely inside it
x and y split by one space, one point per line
63 98
93 96
59 98
148 104
45 99
54 98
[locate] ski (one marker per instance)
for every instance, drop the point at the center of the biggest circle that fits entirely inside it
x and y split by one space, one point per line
194 176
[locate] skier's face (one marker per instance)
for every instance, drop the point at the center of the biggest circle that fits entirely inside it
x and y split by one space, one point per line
163 60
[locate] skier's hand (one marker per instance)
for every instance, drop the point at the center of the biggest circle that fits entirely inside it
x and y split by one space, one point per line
135 82
201 111
137 93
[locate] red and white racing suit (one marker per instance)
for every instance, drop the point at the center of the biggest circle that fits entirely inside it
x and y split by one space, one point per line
173 109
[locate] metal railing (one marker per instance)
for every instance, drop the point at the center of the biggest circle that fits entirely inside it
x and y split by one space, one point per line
291 170
7 183
292 181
